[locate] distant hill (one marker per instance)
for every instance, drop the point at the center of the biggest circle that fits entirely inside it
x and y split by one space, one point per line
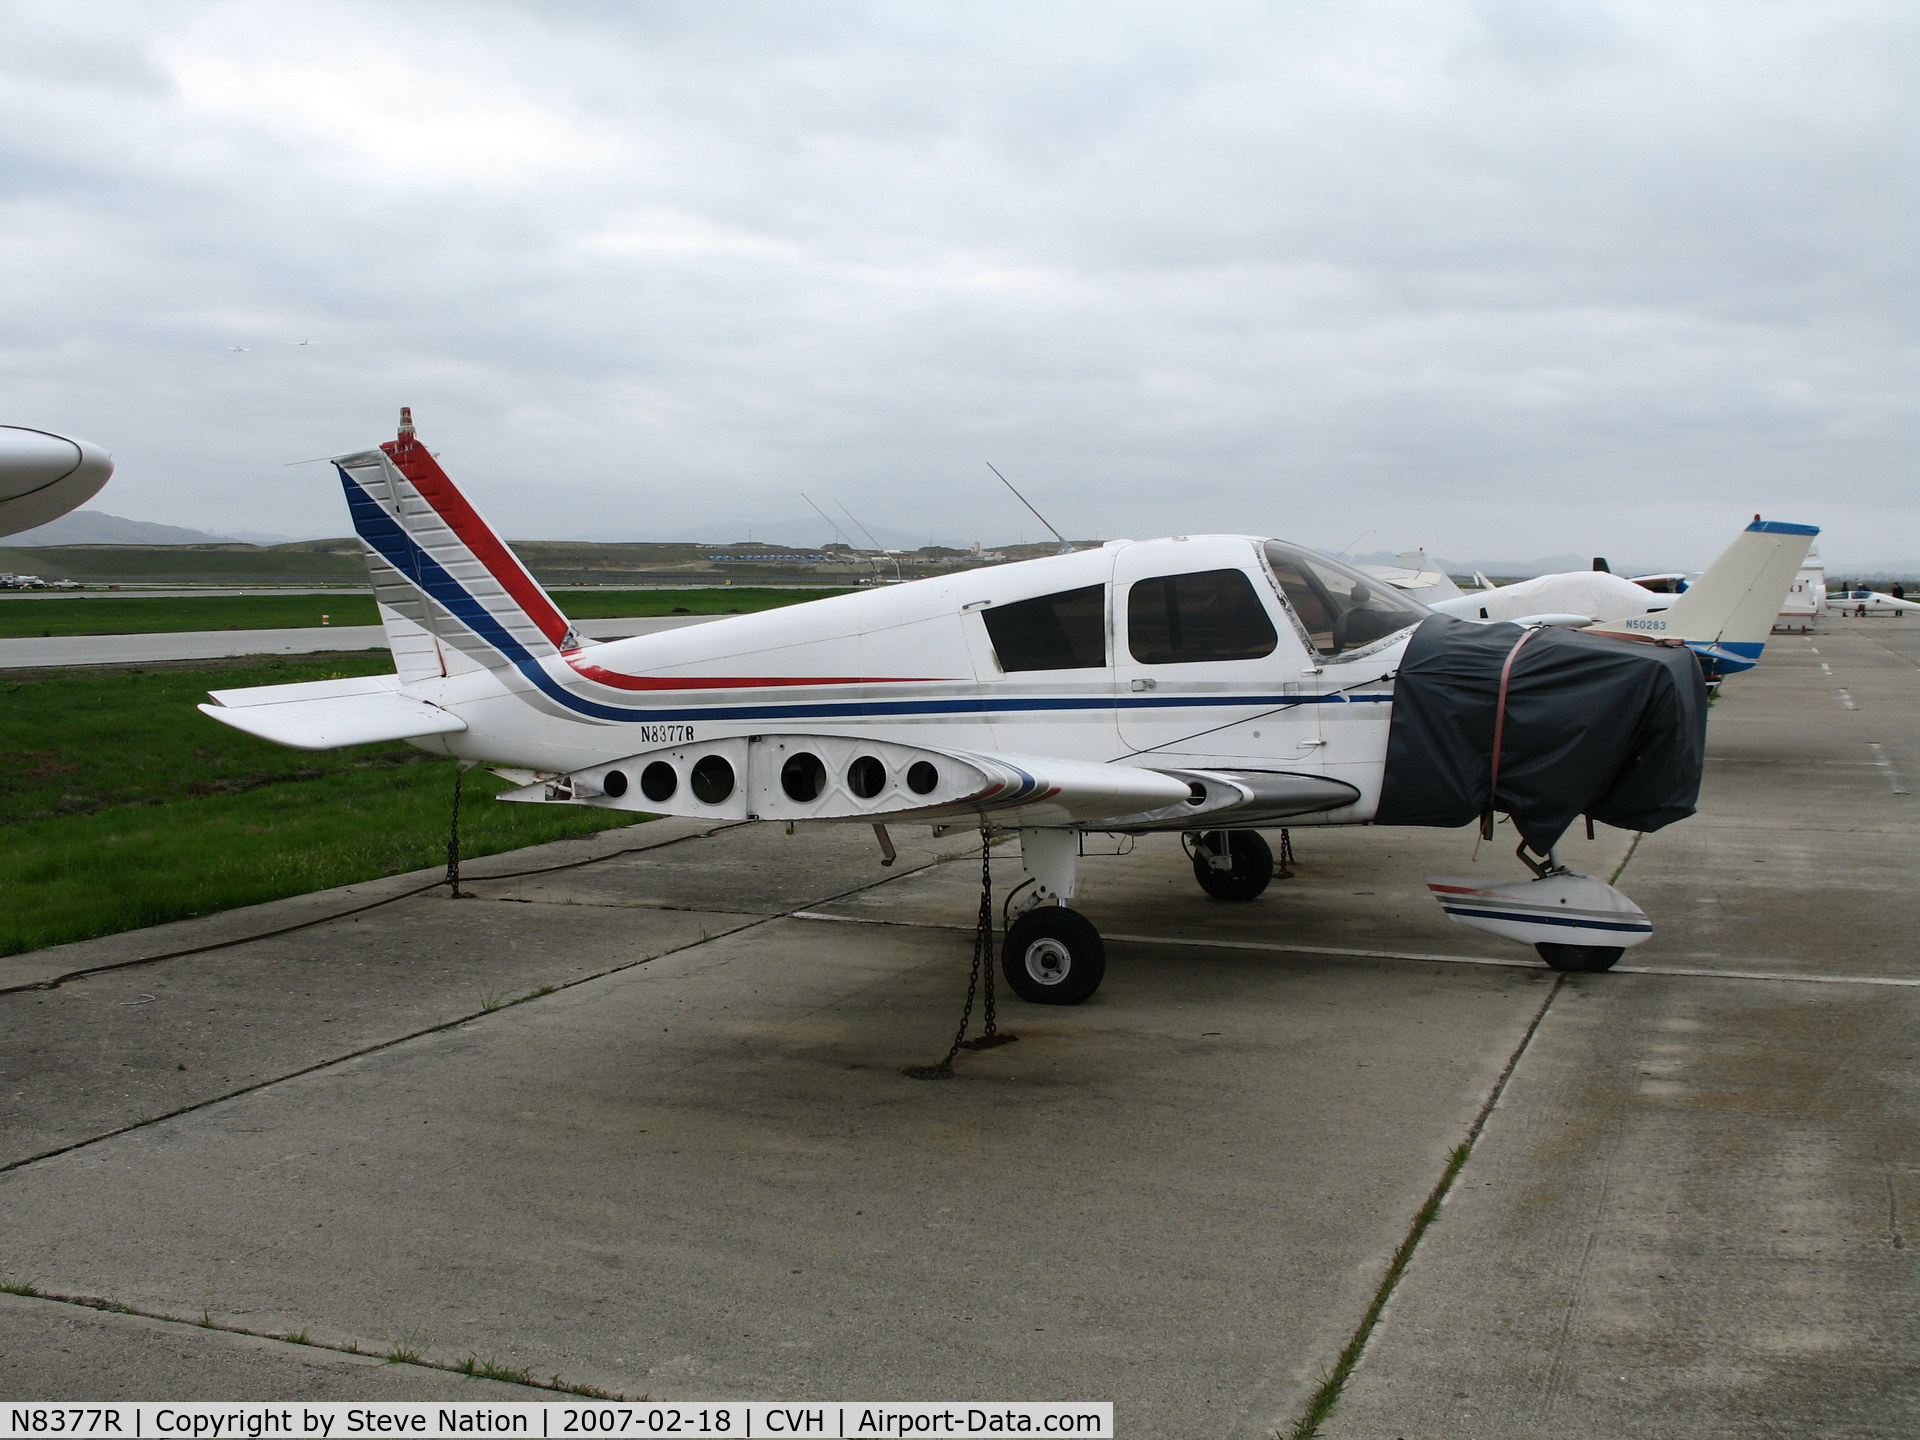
96 527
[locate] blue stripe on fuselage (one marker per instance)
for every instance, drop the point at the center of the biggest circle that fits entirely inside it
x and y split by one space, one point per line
384 534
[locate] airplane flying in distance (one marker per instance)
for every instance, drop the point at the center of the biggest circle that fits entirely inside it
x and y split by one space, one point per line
44 475
1206 686
1725 615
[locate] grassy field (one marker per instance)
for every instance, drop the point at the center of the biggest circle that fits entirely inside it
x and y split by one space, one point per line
123 806
28 615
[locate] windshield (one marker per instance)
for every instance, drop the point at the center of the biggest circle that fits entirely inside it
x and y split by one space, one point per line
1340 609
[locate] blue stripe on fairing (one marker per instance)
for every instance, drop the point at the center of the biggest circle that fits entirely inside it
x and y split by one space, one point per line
1782 527
384 534
1644 927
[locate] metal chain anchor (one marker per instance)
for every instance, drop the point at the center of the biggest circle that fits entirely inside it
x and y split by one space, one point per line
453 838
982 964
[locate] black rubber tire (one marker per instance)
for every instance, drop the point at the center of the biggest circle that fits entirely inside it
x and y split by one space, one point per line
1252 868
1053 956
1579 959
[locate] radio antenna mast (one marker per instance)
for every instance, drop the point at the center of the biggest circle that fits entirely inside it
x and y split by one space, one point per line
1066 546
830 520
878 548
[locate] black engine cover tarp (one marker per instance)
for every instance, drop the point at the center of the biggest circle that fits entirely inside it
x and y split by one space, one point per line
1612 728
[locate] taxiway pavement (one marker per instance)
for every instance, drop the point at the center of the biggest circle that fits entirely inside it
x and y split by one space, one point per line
640 1123
64 651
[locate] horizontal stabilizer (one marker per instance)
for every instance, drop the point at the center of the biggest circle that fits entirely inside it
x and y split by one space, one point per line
329 714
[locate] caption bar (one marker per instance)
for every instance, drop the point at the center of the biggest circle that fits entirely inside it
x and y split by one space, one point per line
559 1420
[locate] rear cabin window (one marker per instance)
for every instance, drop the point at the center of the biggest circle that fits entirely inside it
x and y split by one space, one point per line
1207 615
1340 609
1067 631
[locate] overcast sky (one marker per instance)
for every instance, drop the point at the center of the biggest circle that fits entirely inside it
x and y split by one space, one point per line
1501 279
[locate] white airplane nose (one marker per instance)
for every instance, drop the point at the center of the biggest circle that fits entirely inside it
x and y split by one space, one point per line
43 476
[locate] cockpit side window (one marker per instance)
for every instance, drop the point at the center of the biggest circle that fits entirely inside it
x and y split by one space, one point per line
1066 631
1340 609
1206 615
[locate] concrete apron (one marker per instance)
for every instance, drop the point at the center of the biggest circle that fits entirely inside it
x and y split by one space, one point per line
1694 1212
706 1175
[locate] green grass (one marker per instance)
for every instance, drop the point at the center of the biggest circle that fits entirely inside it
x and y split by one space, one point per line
30 615
122 806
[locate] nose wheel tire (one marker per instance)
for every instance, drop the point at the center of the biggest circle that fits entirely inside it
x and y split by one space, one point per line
1579 959
1053 956
1249 868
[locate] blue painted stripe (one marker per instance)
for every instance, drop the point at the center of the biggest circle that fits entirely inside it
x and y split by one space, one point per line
384 534
1640 927
1782 527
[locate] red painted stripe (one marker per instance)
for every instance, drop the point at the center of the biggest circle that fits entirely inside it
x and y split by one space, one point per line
615 680
414 461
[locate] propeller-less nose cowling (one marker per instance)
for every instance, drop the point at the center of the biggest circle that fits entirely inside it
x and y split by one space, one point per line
1545 726
43 476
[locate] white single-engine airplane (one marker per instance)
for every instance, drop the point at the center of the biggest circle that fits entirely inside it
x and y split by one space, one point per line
1203 685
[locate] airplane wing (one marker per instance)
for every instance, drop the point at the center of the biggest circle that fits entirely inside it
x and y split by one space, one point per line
330 713
838 777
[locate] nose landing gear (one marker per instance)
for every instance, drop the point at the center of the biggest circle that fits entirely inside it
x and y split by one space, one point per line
1230 864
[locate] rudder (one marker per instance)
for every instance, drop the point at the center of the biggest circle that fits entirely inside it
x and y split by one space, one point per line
440 573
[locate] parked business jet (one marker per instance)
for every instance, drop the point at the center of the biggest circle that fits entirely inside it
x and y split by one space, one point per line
1205 685
44 475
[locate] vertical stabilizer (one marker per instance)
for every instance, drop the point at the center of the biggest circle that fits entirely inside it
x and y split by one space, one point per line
1729 611
447 585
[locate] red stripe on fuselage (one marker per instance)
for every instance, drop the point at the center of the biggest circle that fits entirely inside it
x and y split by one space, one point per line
413 460
615 680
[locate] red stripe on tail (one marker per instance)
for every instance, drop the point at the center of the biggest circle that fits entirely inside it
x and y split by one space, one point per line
413 460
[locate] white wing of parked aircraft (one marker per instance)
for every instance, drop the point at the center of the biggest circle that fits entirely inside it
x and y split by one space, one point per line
1204 685
1417 576
44 475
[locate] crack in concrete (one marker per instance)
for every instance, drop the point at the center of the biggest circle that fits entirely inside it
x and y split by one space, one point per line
1322 1404
472 1367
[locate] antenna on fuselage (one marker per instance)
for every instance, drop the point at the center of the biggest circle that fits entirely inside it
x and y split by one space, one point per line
1066 545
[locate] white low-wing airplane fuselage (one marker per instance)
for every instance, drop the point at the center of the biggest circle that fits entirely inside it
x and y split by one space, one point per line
1207 684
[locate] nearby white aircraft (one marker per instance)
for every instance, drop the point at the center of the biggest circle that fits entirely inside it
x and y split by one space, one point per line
1725 615
1868 602
44 475
1202 685
1806 597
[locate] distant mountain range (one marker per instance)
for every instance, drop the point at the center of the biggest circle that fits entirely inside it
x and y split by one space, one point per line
96 527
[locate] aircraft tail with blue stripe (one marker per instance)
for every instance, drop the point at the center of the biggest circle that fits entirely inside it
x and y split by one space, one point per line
452 595
1727 614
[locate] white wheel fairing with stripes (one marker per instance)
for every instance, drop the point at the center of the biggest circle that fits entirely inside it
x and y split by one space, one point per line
893 705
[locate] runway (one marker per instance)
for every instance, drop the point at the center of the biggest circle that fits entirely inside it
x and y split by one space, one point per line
39 653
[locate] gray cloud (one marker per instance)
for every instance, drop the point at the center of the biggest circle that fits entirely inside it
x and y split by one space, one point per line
1503 277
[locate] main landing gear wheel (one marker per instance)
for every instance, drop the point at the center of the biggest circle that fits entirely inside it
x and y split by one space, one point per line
1579 959
1053 956
1250 867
